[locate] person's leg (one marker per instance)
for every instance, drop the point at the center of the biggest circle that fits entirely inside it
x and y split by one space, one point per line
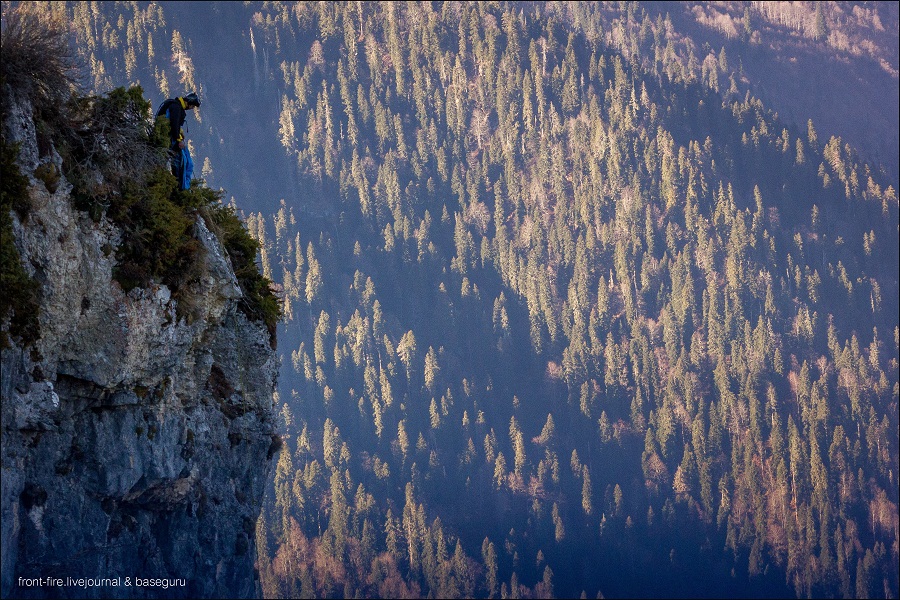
177 163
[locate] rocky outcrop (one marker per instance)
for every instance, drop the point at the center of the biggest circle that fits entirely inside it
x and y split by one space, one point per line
136 438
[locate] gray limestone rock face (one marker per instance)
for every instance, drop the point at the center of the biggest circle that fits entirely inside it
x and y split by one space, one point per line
135 443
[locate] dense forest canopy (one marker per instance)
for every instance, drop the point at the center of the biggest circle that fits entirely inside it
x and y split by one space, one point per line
565 303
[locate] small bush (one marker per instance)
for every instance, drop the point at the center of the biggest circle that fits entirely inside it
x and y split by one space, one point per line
37 58
158 244
49 174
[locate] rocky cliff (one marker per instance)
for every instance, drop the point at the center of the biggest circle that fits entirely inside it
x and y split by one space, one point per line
135 442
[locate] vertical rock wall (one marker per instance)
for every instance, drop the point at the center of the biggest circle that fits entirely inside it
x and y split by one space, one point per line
135 444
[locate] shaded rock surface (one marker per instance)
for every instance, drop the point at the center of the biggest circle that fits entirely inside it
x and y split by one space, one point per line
135 443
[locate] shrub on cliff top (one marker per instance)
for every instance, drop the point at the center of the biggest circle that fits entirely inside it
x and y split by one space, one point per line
158 242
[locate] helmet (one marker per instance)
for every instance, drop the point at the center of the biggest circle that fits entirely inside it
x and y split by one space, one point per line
192 99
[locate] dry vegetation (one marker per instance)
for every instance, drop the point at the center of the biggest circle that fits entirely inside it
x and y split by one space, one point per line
37 58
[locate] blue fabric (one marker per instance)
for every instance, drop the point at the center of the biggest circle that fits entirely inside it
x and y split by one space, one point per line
182 167
187 173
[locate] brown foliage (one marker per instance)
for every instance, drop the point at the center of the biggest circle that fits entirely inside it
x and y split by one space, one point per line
37 58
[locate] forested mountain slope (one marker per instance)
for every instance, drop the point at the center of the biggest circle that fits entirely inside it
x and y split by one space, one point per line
833 62
564 310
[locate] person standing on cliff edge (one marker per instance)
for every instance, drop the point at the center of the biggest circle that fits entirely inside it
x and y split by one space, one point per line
175 109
